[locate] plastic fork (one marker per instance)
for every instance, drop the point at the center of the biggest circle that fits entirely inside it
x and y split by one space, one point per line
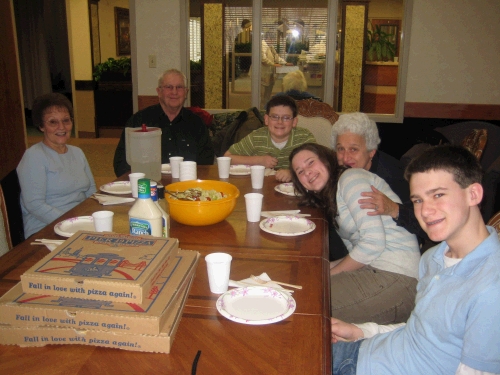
260 281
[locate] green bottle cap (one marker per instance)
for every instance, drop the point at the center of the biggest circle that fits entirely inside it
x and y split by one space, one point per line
143 188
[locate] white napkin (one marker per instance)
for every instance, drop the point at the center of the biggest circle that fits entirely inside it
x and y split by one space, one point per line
269 172
107 200
49 244
251 282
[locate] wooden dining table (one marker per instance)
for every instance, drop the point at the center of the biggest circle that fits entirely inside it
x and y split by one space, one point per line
300 344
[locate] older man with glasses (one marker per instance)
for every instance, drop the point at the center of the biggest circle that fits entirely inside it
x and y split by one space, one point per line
183 132
270 145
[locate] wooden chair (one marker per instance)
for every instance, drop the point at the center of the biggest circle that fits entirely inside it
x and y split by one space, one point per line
475 142
318 118
495 222
10 207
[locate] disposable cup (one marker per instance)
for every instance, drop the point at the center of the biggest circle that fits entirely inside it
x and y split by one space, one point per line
257 176
224 163
187 171
134 178
218 268
253 203
103 221
175 165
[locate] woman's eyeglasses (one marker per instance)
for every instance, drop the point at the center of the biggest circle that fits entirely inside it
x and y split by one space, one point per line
54 122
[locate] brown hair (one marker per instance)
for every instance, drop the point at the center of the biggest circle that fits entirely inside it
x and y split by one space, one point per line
327 197
457 160
44 102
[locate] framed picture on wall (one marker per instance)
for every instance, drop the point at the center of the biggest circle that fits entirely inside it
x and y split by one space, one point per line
122 31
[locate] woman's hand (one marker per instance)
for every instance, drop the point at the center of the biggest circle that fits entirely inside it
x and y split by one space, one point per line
379 202
342 331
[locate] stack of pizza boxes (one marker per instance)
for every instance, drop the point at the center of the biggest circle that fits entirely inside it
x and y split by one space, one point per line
101 289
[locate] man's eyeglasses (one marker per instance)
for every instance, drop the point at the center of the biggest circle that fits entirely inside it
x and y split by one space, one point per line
54 122
282 118
171 88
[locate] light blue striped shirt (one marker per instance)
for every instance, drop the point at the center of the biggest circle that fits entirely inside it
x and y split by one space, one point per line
373 240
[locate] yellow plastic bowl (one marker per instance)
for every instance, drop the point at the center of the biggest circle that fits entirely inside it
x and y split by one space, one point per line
202 213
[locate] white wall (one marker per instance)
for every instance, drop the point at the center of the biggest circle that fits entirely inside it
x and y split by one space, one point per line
157 28
454 52
454 49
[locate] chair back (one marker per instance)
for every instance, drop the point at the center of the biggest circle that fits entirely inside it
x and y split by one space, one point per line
10 206
318 118
495 222
475 142
313 108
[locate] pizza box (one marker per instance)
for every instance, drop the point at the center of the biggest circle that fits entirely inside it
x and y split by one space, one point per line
47 335
23 309
101 266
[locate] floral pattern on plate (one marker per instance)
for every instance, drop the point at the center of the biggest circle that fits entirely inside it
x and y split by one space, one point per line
287 225
286 188
117 187
256 305
239 170
68 227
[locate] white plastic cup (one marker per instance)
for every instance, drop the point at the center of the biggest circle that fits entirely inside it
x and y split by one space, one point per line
257 176
223 163
218 268
253 203
175 165
103 221
134 178
187 171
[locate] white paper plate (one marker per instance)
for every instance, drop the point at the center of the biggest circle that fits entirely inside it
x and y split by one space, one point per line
286 188
118 187
68 227
166 169
287 225
239 170
256 305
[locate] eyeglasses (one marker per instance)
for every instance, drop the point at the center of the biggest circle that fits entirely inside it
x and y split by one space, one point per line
53 122
282 118
171 88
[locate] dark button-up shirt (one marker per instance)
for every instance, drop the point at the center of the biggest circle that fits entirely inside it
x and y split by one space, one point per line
185 136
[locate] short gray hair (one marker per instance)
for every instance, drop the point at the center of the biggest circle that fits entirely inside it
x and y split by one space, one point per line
172 71
357 123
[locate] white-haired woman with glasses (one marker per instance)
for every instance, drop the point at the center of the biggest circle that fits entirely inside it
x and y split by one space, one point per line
270 145
355 139
53 175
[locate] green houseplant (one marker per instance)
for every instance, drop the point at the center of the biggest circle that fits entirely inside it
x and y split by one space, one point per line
379 46
112 70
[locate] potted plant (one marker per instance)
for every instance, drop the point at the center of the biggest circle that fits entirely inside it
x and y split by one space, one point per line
113 70
379 46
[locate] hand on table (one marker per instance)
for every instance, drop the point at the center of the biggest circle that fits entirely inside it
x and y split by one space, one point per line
379 202
342 331
283 175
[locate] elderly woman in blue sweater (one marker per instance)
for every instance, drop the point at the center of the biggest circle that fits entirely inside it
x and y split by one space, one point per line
53 175
376 280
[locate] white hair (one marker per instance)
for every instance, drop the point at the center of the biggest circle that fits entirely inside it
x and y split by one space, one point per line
356 123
